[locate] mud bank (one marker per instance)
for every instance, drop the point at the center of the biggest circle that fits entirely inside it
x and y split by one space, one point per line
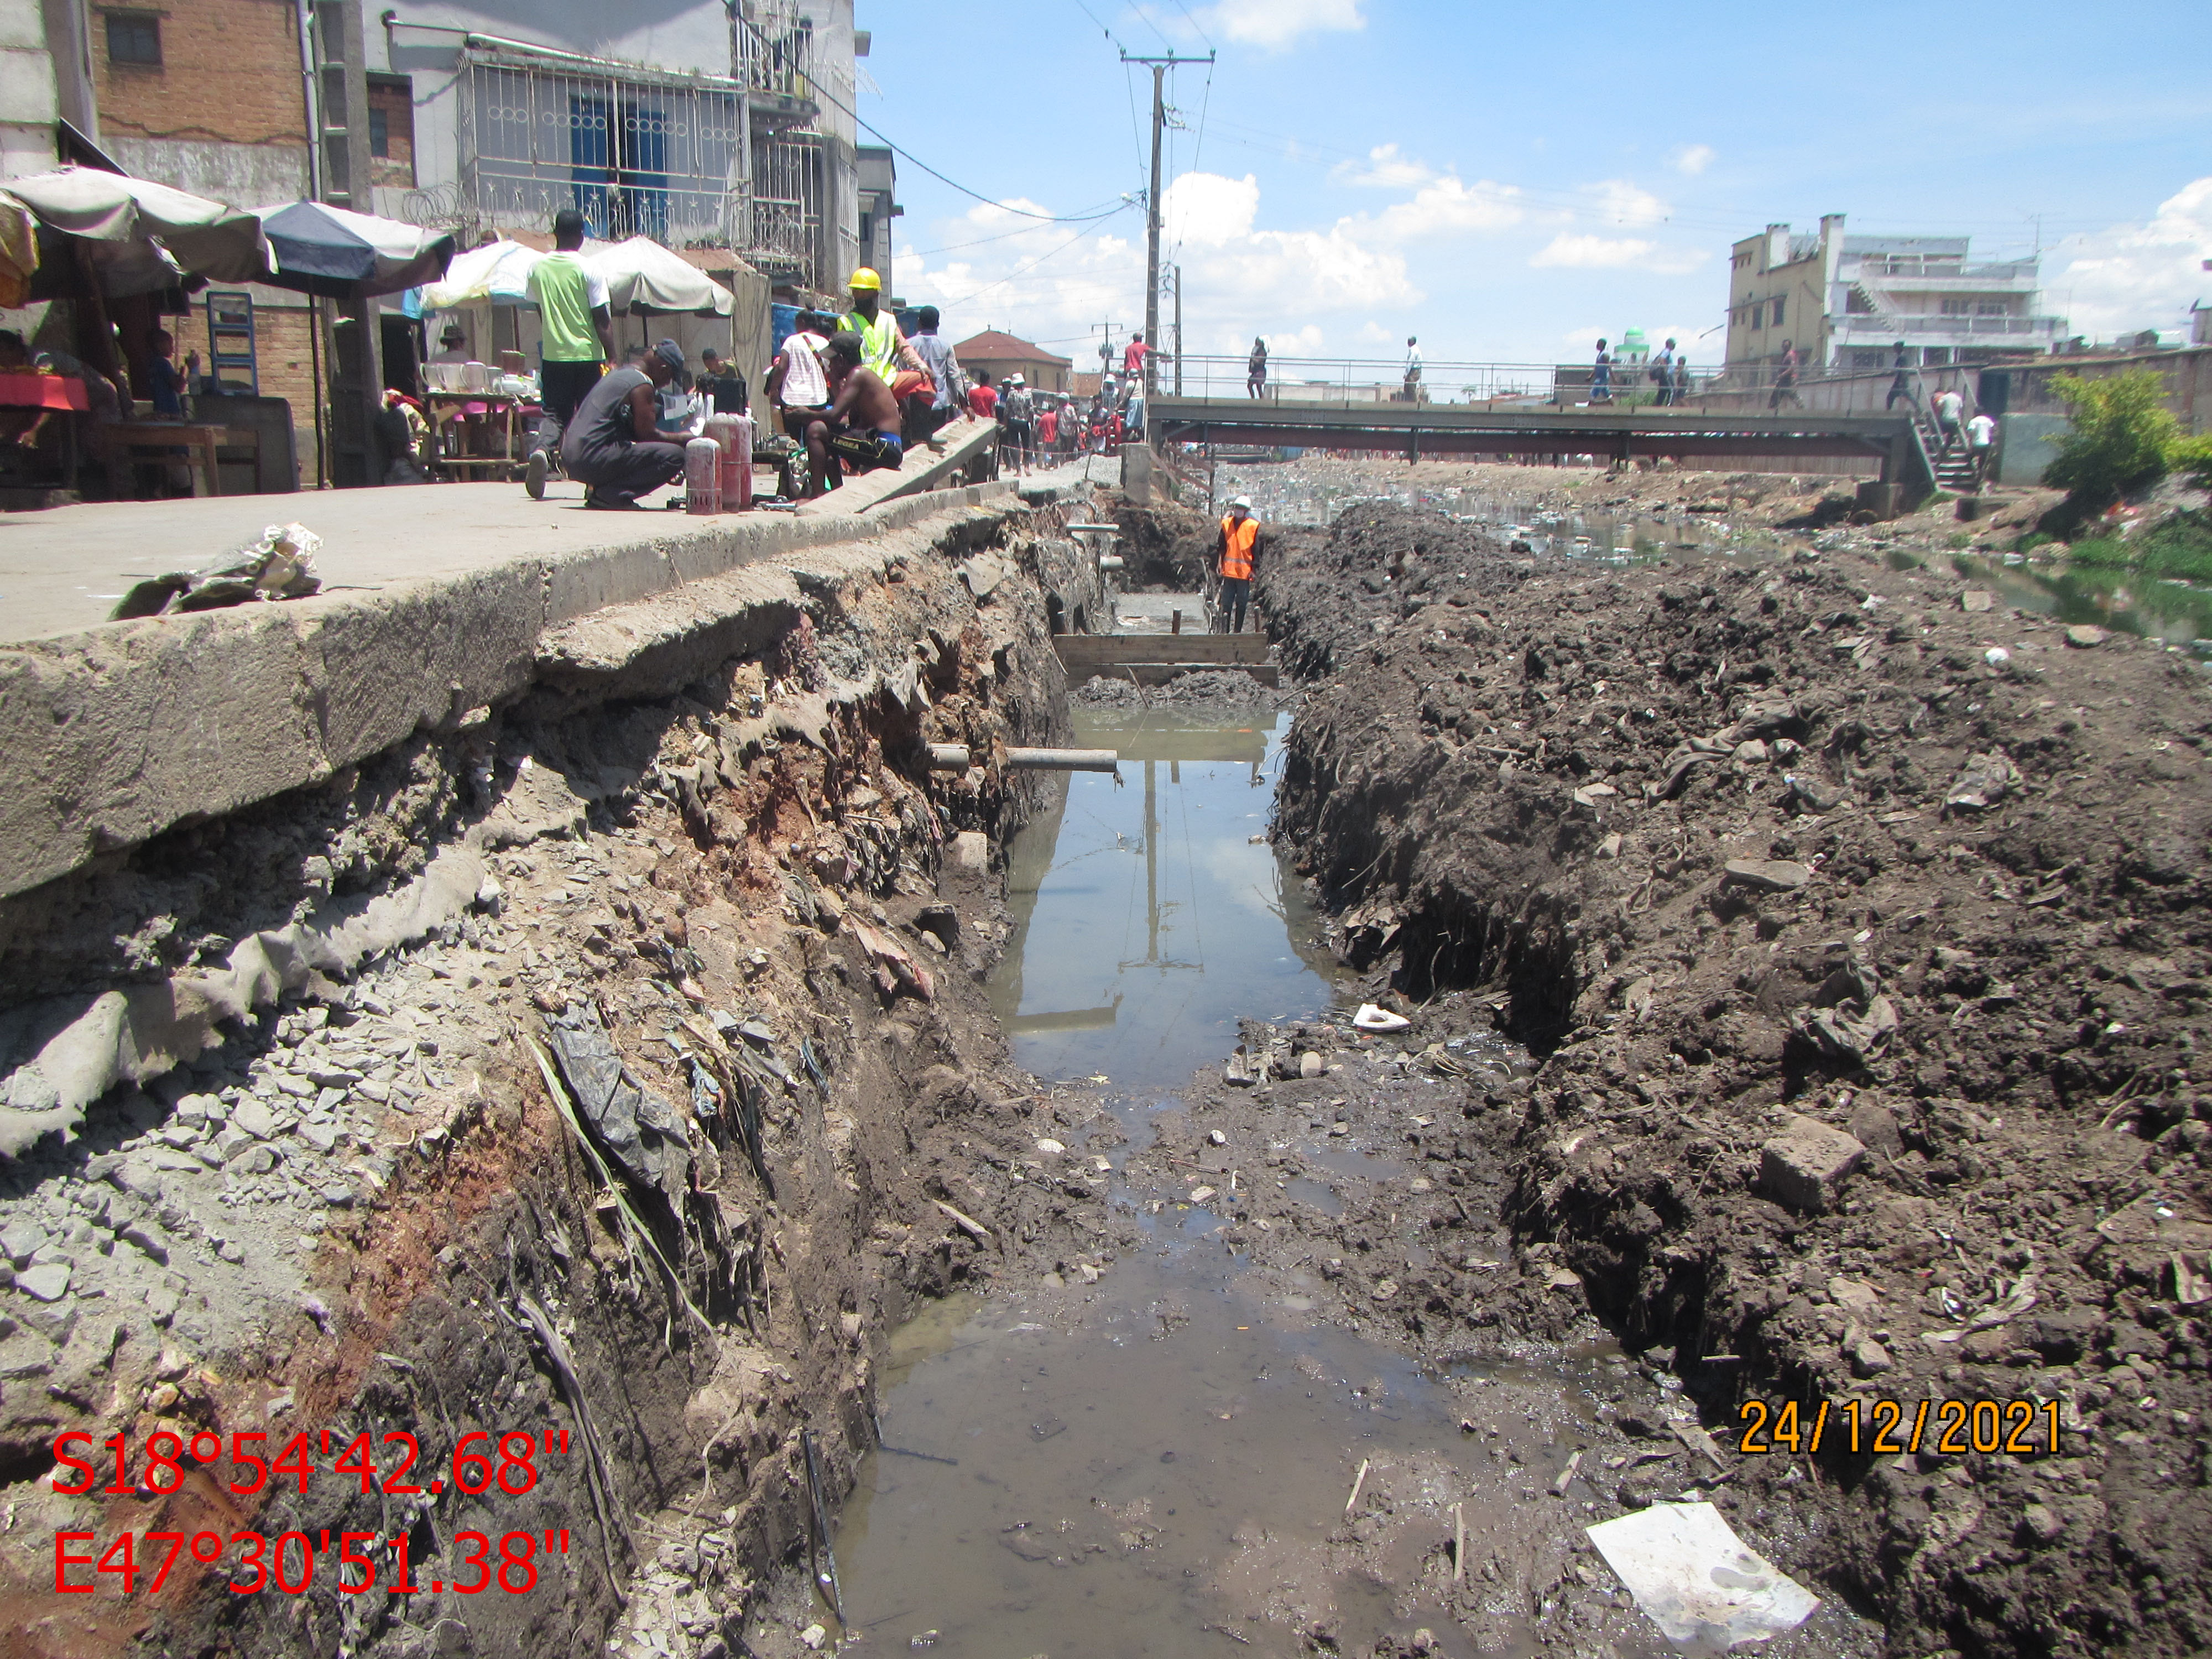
1856 922
369 1207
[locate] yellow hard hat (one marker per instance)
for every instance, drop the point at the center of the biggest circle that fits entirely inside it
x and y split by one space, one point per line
864 277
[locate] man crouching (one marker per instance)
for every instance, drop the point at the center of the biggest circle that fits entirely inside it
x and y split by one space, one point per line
861 430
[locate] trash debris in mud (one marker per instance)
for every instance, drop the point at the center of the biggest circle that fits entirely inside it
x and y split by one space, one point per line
1698 1581
1373 1019
279 566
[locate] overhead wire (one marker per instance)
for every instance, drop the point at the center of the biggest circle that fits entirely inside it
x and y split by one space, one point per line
891 143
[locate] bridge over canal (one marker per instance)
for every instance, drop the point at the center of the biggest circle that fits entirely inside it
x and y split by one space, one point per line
1416 430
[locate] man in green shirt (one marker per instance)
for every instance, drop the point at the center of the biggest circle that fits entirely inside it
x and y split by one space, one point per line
575 339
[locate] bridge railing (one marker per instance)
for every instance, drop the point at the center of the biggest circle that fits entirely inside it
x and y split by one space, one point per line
1351 382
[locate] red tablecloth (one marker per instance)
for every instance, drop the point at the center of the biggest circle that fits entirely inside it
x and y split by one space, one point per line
27 391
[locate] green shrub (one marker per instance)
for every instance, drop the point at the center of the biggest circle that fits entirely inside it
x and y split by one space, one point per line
2119 441
2192 458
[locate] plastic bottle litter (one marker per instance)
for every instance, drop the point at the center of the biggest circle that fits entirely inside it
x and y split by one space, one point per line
1698 1581
1372 1018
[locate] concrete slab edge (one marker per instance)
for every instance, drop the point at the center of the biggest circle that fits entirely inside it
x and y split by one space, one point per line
110 736
63 1053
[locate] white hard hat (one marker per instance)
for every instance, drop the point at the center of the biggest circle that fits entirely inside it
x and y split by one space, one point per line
1244 502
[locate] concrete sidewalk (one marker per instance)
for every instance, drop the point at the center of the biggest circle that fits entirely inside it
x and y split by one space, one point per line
61 570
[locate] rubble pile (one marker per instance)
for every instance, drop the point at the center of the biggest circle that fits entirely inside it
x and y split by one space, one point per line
1856 920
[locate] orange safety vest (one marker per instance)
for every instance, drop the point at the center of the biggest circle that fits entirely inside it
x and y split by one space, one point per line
1236 541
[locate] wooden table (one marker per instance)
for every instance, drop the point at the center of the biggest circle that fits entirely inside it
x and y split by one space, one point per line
449 412
200 440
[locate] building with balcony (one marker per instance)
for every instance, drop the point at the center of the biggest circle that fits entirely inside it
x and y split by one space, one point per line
1845 301
703 124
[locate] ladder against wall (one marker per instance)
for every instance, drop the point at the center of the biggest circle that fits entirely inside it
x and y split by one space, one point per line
230 340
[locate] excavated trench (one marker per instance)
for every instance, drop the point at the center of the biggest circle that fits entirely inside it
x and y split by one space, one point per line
816 1176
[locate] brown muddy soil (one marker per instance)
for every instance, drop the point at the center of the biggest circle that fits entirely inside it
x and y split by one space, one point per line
1858 923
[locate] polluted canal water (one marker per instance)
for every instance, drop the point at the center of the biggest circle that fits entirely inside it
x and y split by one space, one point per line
1167 1449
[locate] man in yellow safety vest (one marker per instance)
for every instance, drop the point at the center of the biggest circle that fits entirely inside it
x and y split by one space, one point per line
1240 537
883 347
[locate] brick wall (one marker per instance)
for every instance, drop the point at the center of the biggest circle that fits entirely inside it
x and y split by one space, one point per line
396 167
281 335
229 70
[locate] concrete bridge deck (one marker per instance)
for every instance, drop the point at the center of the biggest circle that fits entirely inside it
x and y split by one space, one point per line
1418 429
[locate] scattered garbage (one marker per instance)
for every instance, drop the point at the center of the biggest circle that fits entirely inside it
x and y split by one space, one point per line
1986 780
1697 1580
1372 1018
640 1129
279 566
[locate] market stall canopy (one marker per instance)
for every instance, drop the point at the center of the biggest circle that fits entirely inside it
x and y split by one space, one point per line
140 234
643 278
316 248
498 272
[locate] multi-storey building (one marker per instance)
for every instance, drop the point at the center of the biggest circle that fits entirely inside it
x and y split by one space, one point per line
701 125
1845 301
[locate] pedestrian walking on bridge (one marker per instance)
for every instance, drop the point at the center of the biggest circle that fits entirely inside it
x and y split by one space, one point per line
1256 370
1602 376
1239 541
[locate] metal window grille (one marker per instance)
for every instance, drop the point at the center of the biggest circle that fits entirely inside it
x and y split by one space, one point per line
636 154
787 228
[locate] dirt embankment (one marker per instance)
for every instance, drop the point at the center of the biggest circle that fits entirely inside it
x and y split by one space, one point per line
364 1212
1859 925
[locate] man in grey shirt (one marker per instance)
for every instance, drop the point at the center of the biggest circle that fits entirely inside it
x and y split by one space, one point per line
611 445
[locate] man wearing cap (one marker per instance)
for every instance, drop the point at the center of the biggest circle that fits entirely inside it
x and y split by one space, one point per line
1017 415
1240 540
611 445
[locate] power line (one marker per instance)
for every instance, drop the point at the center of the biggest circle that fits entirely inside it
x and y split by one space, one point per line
969 299
1024 230
897 147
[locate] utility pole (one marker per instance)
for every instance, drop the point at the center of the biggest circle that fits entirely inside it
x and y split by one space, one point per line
1159 67
1178 325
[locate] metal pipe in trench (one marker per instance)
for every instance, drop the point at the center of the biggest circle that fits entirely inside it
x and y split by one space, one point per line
955 757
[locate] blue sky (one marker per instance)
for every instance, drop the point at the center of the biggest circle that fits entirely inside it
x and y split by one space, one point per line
1510 183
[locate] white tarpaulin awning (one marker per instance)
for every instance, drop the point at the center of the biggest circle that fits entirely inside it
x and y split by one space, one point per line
207 238
498 273
642 277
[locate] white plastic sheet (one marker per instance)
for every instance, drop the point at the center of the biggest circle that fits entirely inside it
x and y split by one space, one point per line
1699 1582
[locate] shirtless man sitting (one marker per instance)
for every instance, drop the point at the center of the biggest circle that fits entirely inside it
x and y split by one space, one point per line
861 430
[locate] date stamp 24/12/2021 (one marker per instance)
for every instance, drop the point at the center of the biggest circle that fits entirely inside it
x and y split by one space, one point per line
1893 1428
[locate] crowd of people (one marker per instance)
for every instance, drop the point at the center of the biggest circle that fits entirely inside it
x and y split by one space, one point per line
1038 428
849 388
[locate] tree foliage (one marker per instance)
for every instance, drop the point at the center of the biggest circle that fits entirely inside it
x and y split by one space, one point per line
2192 458
2121 440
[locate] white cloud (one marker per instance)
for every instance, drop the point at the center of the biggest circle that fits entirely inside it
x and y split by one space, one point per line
1616 254
1240 277
2137 276
1276 24
1385 168
1692 159
1205 209
1447 204
1618 202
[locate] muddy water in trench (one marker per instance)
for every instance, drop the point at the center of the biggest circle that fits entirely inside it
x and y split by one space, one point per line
1137 1467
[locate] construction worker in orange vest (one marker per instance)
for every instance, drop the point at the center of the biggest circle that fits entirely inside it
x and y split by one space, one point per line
1240 537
